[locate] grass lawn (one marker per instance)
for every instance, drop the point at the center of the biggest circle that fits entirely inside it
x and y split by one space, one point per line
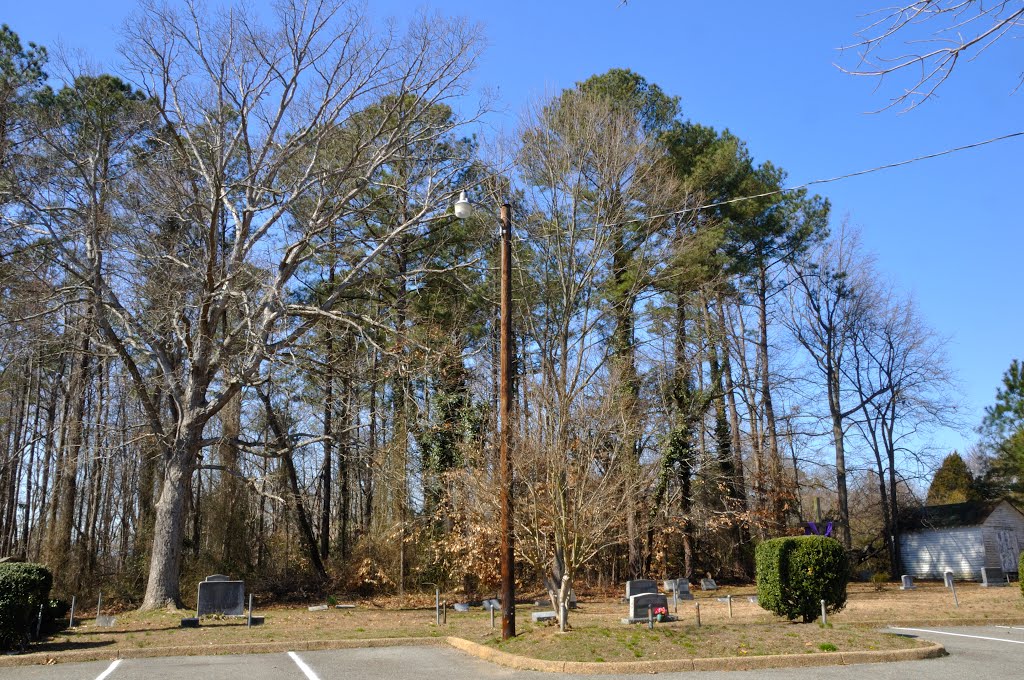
597 633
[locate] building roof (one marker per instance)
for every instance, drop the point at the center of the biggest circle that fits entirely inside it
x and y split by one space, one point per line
969 514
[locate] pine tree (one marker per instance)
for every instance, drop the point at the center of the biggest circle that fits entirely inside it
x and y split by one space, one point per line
953 483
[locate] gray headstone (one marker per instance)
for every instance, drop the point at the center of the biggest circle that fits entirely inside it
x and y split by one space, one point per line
317 608
907 583
572 599
638 604
221 597
344 606
543 616
708 584
218 577
462 606
105 621
947 578
640 586
992 577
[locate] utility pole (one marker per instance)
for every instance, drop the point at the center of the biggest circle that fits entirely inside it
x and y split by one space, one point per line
508 584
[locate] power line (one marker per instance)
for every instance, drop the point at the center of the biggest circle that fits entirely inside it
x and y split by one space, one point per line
785 190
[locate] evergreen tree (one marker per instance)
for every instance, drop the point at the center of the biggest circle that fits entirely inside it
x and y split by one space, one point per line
953 483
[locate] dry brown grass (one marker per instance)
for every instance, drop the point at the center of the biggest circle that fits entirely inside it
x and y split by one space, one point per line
597 633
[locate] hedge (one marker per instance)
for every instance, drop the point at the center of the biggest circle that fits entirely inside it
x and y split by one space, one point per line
795 573
23 587
1020 572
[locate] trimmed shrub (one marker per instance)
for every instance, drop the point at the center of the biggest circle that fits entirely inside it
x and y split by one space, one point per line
23 587
795 573
1020 572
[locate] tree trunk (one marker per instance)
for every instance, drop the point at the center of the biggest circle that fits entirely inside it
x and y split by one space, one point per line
162 588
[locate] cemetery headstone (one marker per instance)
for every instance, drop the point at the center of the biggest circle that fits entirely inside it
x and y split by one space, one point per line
638 605
218 595
572 599
992 577
462 606
682 589
317 608
191 622
491 605
947 578
543 616
708 584
907 583
640 586
105 621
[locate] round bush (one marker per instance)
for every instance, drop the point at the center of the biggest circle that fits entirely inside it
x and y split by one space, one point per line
795 573
23 588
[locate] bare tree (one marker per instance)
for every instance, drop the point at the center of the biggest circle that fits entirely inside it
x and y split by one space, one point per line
936 35
831 301
261 153
900 375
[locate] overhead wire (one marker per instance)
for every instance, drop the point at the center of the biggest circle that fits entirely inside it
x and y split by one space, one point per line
784 190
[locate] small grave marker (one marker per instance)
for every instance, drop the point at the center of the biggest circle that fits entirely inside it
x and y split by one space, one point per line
947 578
461 606
491 605
708 584
543 616
105 621
317 608
907 583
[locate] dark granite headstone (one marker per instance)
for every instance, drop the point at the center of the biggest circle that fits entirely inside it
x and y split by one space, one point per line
638 604
192 622
220 596
218 577
640 586
992 577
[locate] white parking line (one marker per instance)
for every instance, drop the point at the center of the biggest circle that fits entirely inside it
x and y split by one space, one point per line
302 667
110 669
963 635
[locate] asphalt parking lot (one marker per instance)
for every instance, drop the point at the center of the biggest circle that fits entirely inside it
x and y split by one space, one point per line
981 652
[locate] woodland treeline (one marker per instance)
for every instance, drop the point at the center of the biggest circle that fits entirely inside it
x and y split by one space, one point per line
241 330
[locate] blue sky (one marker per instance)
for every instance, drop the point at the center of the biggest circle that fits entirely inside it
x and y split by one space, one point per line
947 231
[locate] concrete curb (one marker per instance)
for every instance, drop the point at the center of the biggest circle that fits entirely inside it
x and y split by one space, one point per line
492 655
744 663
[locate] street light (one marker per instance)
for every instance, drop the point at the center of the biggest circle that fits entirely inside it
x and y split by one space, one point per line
463 209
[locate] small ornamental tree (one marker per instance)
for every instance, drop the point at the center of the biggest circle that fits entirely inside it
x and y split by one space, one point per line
795 573
23 587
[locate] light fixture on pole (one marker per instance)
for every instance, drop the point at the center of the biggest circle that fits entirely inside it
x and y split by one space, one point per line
463 209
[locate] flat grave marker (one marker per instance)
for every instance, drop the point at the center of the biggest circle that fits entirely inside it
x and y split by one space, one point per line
708 584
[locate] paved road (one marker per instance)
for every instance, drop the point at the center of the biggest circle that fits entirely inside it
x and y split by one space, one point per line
978 652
